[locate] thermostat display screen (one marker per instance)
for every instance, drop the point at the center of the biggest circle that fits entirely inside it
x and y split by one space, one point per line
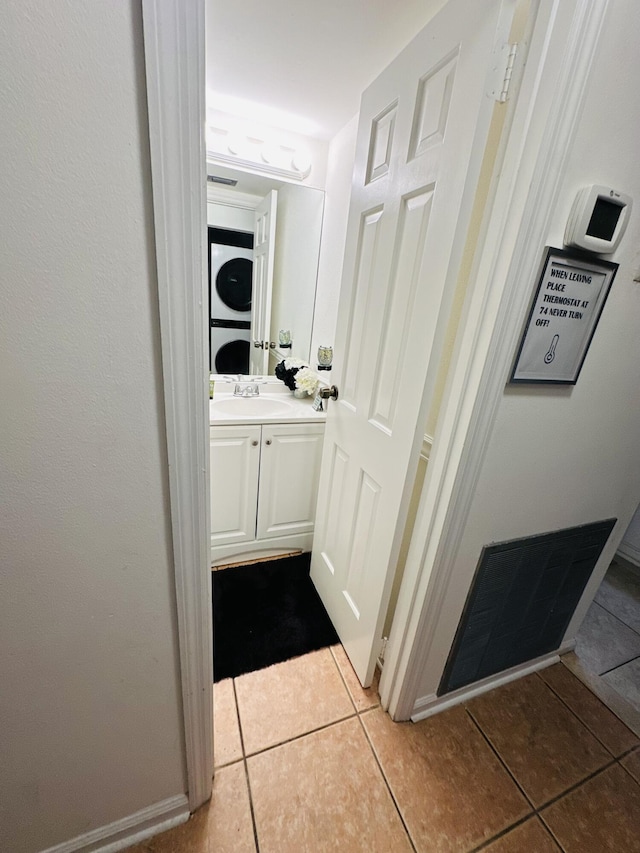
598 219
604 219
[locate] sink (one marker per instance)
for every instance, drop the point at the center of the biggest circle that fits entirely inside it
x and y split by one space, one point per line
252 407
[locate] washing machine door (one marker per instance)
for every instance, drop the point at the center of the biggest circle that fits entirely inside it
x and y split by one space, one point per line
230 349
233 284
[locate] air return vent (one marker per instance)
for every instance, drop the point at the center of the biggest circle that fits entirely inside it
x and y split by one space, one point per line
523 596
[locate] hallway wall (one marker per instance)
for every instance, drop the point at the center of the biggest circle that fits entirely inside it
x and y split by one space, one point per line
560 456
90 709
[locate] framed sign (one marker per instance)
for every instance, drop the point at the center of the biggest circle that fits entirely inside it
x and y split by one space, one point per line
569 299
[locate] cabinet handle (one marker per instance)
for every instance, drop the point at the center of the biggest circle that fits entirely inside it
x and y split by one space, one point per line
268 441
254 443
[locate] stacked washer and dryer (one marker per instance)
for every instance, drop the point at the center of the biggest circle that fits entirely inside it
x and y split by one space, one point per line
230 283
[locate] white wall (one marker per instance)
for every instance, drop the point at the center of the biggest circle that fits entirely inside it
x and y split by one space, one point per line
226 216
90 711
342 151
295 269
563 456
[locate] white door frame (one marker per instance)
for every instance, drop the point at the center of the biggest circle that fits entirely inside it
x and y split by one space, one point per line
175 69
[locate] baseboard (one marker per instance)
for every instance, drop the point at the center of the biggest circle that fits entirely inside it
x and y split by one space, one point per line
429 705
128 830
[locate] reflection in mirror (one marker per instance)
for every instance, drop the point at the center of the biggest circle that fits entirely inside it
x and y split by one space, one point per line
299 212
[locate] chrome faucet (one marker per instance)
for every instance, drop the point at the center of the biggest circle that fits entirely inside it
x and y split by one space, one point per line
246 389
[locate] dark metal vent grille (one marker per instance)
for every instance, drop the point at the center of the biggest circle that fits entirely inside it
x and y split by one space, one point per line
217 179
523 596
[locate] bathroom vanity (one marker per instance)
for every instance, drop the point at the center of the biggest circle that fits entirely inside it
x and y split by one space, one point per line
264 470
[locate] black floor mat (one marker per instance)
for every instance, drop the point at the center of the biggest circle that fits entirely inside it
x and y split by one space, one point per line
265 613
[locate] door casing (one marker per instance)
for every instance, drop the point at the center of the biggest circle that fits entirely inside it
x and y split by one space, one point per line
539 142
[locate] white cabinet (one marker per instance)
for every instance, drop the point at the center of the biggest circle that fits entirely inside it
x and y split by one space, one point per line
233 480
264 483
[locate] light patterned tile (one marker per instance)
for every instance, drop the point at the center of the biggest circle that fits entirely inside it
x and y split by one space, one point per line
230 827
602 722
529 837
227 747
604 642
451 790
223 825
362 699
542 743
290 699
602 815
324 792
619 593
626 680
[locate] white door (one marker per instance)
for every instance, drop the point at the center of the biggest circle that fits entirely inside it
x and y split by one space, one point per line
421 137
263 254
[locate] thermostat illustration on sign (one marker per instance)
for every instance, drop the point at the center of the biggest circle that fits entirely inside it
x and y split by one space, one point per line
598 219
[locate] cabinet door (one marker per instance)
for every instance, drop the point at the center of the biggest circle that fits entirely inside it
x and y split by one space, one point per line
289 474
235 461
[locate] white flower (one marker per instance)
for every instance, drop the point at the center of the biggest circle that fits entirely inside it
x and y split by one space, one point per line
291 363
307 380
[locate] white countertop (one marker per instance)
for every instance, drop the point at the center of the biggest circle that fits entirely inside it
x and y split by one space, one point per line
274 405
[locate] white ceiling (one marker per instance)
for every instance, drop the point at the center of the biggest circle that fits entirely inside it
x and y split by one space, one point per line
310 60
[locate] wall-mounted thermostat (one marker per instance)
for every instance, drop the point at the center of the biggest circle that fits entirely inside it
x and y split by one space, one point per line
598 219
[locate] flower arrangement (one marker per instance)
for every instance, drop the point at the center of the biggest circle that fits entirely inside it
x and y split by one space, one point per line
297 376
307 380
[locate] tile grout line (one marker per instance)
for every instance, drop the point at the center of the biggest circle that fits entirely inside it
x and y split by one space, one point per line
301 735
628 752
570 790
581 721
504 832
342 678
602 699
575 786
554 837
246 769
627 771
344 681
535 812
500 759
619 666
615 616
384 778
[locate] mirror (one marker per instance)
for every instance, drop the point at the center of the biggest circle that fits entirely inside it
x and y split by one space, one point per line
299 213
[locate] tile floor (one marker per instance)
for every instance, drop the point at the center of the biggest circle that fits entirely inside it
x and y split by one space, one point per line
308 761
608 643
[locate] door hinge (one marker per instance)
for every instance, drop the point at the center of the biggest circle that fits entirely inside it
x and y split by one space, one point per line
508 72
383 649
505 58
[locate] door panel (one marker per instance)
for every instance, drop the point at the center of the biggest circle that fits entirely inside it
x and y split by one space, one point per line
289 473
421 138
234 468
